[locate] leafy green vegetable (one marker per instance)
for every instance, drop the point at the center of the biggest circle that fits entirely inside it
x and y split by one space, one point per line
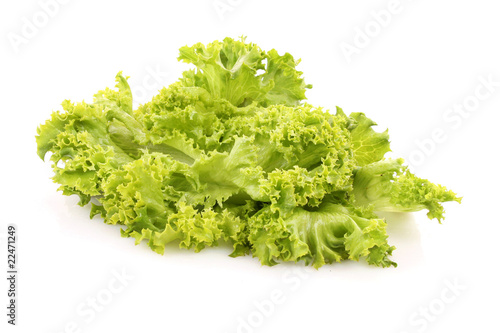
228 70
232 153
329 233
388 186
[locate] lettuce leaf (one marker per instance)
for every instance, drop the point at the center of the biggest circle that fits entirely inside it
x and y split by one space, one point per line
232 153
388 186
368 146
230 70
329 233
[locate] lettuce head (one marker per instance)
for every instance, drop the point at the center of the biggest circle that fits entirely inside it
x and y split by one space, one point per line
232 153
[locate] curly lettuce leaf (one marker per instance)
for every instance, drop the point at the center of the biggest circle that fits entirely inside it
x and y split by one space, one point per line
190 228
84 150
387 185
229 70
367 145
329 233
230 152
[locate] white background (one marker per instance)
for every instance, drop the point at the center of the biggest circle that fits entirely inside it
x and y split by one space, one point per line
428 58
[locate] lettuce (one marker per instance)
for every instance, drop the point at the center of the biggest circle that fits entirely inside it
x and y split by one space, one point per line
329 233
232 153
388 186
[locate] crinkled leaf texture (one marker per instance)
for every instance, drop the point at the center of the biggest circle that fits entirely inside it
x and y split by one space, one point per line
229 70
388 186
232 153
326 234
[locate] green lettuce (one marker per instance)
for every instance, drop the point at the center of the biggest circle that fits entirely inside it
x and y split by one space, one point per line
387 185
329 233
231 153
